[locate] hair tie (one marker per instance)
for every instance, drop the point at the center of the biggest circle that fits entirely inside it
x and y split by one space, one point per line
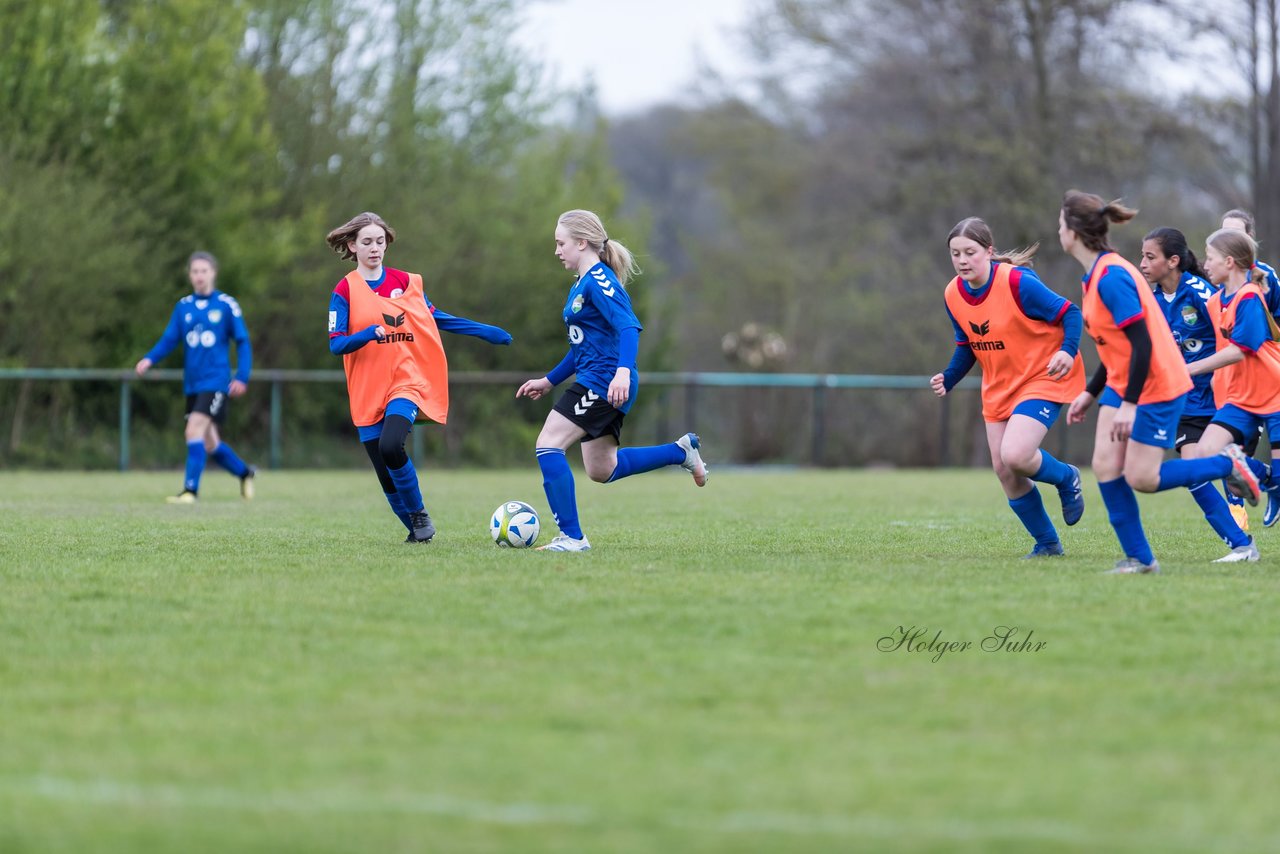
605 244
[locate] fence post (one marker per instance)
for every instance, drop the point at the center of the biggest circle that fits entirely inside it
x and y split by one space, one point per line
273 458
944 432
124 424
819 419
691 404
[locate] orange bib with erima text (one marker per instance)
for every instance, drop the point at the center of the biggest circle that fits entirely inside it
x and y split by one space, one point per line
408 363
1014 350
1254 383
1168 378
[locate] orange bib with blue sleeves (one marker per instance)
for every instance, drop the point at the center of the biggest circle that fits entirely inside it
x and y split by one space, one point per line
408 363
1254 383
1013 349
1168 378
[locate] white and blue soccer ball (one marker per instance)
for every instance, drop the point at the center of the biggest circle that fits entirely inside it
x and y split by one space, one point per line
514 524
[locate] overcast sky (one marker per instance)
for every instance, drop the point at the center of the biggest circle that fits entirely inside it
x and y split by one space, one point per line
639 52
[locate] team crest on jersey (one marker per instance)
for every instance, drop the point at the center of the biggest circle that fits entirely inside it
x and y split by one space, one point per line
577 304
1190 316
215 316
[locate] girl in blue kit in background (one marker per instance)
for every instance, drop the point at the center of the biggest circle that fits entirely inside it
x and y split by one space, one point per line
1183 293
207 322
604 339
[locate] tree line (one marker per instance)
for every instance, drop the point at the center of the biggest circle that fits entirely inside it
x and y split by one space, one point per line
806 205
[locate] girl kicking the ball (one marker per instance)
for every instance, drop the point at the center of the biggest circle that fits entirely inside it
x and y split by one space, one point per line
394 360
1027 338
604 339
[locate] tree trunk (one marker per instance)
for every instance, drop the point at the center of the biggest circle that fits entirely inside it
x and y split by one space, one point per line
19 415
1268 210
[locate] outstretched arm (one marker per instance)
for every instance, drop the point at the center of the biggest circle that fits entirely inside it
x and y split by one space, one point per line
462 326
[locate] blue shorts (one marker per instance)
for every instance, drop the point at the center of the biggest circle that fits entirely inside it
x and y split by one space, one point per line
399 406
1246 424
1155 424
1044 411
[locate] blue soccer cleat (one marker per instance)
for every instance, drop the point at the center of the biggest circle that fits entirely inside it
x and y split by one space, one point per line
1051 550
1072 495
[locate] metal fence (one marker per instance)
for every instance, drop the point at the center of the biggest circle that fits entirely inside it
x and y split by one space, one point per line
814 419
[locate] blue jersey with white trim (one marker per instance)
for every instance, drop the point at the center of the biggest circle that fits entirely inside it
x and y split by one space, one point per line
206 326
595 311
1193 331
1271 288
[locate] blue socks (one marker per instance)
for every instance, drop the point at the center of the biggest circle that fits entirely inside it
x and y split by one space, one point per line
557 482
1052 470
639 460
1030 510
1191 472
397 507
225 457
196 456
406 480
1218 514
1122 509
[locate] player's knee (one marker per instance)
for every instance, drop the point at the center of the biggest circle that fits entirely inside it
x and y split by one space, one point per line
1143 481
392 451
1021 461
601 473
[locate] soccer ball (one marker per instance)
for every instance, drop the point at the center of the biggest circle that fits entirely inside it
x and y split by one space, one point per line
514 524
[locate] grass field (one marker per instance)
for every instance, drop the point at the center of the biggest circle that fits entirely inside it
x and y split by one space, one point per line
285 675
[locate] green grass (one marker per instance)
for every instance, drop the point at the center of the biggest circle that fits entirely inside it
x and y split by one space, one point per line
286 675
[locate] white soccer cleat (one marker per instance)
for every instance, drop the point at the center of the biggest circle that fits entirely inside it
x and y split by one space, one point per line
1241 480
561 543
1248 553
1133 566
693 458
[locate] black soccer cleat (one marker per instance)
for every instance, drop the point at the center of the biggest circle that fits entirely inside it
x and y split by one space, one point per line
423 530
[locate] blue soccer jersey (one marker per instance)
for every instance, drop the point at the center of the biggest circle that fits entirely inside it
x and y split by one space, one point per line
1271 288
596 310
207 326
1189 321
